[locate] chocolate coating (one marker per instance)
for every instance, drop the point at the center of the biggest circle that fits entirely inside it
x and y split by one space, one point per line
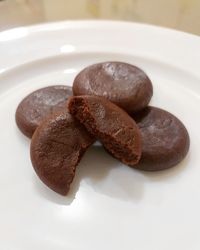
40 104
165 140
116 130
57 146
123 84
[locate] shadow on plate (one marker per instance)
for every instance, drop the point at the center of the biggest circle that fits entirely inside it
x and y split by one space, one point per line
22 138
107 176
103 174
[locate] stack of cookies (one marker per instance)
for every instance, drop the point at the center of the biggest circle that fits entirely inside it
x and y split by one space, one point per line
108 102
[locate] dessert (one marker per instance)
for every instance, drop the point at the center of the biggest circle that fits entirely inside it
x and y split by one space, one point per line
57 146
34 108
123 84
116 130
165 140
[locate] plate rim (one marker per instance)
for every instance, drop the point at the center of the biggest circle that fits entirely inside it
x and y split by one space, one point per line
50 24
163 43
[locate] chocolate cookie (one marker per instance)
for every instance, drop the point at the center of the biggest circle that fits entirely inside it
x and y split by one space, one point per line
165 140
38 105
123 84
110 124
57 146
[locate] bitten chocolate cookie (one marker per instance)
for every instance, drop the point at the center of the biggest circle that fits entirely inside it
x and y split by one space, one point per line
38 105
57 146
165 140
110 124
123 84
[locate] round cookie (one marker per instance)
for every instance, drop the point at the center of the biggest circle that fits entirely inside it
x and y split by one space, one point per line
165 140
122 83
38 105
57 146
116 130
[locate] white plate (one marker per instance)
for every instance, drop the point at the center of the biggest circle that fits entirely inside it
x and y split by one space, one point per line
110 206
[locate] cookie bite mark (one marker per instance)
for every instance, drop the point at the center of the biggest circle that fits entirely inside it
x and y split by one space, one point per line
57 147
110 124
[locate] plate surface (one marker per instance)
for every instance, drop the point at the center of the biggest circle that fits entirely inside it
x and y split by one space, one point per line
110 206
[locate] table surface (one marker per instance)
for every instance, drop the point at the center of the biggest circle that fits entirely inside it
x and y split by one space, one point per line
179 14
